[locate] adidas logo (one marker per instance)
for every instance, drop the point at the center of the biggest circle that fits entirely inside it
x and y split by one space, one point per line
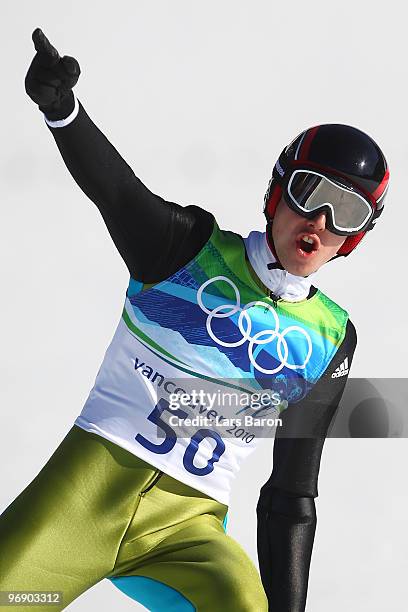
342 370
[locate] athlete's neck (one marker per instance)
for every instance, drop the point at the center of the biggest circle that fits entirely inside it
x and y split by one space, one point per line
280 282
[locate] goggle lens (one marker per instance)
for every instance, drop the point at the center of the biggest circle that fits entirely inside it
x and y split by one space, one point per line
310 191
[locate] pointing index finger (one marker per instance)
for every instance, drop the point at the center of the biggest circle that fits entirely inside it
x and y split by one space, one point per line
47 54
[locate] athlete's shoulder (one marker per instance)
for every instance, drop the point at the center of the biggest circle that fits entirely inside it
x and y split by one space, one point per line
336 316
350 336
194 216
342 317
329 302
226 239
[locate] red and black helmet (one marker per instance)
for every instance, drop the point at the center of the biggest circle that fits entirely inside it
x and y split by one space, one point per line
338 151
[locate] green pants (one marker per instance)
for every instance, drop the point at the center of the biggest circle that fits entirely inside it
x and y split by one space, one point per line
96 511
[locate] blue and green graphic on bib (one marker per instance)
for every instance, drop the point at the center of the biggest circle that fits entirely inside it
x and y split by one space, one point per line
209 326
211 320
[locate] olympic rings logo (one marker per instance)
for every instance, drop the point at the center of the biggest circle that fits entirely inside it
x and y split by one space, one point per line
260 338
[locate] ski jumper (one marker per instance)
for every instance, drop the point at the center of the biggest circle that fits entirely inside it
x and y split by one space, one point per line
124 496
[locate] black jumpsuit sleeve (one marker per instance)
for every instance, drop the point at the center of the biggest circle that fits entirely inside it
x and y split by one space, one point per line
286 508
154 237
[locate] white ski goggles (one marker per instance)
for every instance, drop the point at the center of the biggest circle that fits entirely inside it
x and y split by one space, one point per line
347 212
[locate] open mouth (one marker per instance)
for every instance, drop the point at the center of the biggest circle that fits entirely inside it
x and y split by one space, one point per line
307 244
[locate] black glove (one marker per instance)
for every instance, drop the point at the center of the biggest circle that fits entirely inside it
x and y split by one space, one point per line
50 79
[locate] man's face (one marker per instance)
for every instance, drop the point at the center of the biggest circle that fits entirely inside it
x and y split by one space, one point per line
296 255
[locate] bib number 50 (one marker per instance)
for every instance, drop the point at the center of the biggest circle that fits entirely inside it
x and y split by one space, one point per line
170 439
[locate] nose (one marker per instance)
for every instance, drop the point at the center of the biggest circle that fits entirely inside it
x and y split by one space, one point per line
318 222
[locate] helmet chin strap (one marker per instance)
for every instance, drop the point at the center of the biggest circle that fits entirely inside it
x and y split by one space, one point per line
269 239
277 264
270 271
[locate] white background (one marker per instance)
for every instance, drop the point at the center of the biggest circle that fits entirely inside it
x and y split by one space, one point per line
200 98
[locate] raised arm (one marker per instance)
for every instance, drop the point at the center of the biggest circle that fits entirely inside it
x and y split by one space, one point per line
286 508
154 237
